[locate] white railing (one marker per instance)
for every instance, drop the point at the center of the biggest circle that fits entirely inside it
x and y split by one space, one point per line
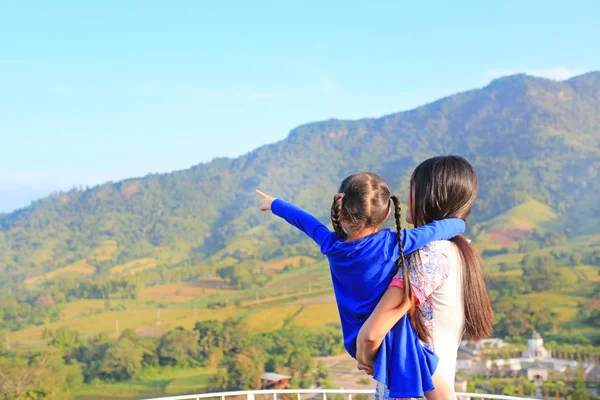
249 394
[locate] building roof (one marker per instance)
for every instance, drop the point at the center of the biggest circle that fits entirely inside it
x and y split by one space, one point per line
593 374
537 365
483 343
273 377
464 354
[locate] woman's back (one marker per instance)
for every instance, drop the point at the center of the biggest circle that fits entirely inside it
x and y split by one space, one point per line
440 279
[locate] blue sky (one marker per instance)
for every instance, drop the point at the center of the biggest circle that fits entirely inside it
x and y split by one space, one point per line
92 91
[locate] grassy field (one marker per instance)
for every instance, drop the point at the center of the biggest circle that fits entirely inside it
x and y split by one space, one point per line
301 297
105 252
515 225
161 308
565 300
81 307
80 267
581 243
569 275
145 321
312 310
280 264
292 314
194 383
564 305
317 273
166 382
527 215
315 315
270 318
172 382
134 266
182 292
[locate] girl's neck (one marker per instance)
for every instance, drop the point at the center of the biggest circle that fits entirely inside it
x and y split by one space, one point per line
361 233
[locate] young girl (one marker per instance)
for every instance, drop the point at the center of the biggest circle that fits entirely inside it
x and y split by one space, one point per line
363 260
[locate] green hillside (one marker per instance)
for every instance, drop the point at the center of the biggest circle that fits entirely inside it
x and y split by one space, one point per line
529 138
195 238
528 215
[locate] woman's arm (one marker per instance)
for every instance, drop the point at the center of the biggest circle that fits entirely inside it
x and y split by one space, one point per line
388 312
428 272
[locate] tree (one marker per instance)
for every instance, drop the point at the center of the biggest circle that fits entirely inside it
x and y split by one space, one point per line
66 341
509 390
150 346
321 374
210 335
214 358
122 361
91 356
218 381
179 347
3 343
528 388
47 333
271 365
539 274
300 362
578 391
244 371
41 377
576 259
595 258
129 334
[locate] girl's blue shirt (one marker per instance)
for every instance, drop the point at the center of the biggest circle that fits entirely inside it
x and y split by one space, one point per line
361 271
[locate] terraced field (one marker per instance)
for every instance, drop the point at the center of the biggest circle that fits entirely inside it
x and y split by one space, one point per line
182 292
80 267
134 266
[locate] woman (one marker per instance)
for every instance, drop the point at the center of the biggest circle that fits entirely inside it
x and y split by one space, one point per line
447 276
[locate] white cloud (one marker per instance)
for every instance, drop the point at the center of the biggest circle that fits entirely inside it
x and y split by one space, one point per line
557 74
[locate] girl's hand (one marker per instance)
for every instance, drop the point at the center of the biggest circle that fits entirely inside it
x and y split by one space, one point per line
266 201
367 369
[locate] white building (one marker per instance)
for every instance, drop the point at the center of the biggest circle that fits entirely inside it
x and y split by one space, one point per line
535 348
536 362
477 348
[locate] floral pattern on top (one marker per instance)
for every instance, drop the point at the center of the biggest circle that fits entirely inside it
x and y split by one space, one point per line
428 269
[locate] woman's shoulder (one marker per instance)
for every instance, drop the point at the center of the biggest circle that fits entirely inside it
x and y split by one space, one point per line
441 247
431 266
440 255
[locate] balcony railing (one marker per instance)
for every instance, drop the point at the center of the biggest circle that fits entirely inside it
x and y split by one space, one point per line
313 393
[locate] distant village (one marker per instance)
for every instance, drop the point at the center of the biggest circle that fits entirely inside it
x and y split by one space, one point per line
536 363
492 358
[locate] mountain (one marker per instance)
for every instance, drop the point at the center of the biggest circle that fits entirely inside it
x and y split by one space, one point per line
532 141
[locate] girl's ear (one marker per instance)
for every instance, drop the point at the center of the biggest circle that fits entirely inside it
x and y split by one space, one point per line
389 212
341 217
